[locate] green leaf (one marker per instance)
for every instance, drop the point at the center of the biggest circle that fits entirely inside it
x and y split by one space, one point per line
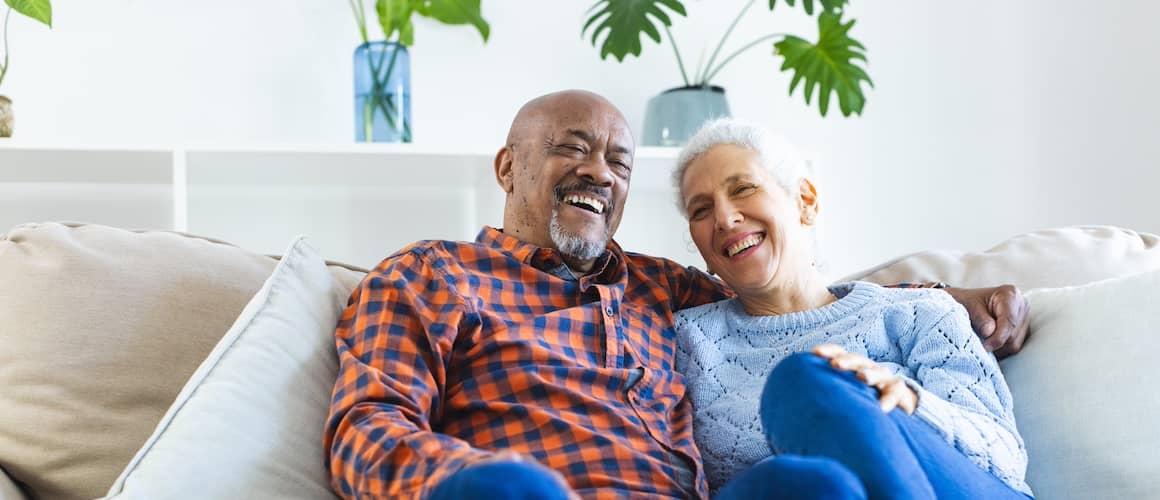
625 20
458 12
40 10
827 5
395 18
828 66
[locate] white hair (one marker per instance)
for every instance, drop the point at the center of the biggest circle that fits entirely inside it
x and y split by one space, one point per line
777 155
780 158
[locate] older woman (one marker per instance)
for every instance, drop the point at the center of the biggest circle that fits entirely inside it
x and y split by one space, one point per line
863 390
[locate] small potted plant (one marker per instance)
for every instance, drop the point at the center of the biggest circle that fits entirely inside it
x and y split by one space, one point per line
382 74
828 66
40 10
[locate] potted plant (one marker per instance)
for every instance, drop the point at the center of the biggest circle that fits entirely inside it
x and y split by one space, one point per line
828 66
382 78
40 10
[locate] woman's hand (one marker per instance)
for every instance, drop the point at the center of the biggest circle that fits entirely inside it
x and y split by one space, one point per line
892 391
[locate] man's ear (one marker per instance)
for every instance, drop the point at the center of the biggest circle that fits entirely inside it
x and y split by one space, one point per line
503 168
808 201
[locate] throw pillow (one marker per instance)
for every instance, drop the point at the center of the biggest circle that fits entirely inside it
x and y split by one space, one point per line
1085 400
248 423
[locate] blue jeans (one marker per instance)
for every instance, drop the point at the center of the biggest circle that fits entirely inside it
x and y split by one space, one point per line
507 480
831 431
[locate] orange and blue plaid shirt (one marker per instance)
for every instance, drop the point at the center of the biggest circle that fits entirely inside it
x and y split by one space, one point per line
450 351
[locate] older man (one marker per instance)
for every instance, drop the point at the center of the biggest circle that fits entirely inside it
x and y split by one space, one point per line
536 361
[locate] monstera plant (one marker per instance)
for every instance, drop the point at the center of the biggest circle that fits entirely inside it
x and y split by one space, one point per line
40 10
826 67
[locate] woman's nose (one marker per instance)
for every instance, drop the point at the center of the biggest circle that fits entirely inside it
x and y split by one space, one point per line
728 216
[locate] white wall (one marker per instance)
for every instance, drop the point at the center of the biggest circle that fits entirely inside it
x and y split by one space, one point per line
988 118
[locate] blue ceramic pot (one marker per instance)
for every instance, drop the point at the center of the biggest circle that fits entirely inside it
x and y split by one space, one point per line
676 114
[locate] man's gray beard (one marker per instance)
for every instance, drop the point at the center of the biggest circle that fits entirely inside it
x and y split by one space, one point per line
571 245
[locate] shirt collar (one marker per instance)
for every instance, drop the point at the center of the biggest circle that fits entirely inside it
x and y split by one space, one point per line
546 259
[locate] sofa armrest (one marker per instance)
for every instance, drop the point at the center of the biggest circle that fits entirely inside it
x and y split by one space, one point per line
8 488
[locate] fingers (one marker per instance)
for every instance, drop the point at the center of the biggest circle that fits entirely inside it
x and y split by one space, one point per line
892 391
828 351
896 394
1006 306
1011 306
975 301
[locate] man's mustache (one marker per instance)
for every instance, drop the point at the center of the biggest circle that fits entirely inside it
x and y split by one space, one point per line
588 187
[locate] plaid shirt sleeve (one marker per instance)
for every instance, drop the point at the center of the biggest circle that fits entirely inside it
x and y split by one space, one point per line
394 340
693 287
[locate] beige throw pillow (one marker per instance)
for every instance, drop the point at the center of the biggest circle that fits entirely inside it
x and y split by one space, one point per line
248 423
100 329
1048 258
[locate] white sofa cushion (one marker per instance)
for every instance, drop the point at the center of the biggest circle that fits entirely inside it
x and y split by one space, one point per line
1048 258
1085 400
248 423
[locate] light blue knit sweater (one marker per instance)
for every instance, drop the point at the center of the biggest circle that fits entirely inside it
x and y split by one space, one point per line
922 335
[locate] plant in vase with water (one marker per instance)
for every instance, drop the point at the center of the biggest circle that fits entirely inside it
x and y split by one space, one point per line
40 10
828 66
382 67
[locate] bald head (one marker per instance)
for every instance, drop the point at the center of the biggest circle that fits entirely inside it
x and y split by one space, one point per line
566 168
544 111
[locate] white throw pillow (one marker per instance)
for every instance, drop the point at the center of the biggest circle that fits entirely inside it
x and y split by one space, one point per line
248 423
1085 399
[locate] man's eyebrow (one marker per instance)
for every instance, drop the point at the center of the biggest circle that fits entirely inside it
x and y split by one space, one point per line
617 148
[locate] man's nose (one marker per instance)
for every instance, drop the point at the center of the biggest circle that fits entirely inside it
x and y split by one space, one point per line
597 171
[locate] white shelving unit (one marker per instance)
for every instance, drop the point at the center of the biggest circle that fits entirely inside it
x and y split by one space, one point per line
359 203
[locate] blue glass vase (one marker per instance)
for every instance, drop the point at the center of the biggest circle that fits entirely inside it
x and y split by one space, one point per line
382 92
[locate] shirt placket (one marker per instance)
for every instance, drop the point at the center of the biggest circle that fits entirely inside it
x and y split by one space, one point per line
609 310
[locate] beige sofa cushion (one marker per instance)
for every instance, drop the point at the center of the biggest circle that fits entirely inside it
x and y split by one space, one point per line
1048 258
100 329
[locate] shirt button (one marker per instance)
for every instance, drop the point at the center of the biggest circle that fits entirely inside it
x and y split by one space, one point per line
608 311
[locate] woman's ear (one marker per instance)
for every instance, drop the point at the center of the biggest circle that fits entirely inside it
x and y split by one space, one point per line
808 201
503 168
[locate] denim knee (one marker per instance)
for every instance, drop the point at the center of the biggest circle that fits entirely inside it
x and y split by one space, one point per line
514 480
797 376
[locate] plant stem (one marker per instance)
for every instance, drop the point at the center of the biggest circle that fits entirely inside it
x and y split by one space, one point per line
680 63
705 78
4 67
711 74
369 120
360 17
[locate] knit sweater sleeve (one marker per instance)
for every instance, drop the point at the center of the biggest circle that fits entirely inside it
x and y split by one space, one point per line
961 391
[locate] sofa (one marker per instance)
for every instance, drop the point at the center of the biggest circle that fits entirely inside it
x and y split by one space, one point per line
151 364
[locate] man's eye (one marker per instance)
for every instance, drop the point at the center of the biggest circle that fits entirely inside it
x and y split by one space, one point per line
698 213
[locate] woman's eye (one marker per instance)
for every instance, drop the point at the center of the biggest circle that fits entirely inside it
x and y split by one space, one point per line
698 213
743 189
